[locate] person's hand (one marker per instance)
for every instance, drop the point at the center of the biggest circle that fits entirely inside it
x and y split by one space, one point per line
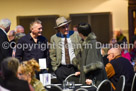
88 81
77 73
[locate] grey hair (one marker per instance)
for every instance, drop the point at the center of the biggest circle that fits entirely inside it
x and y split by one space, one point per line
5 23
36 21
18 26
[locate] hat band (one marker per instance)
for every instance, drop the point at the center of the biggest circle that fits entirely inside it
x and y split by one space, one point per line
62 23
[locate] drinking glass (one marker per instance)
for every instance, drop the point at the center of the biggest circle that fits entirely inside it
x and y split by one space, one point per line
71 85
65 86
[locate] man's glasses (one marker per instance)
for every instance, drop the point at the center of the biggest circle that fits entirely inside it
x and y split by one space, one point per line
66 26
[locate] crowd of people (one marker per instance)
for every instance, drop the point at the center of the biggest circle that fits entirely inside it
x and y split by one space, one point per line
70 52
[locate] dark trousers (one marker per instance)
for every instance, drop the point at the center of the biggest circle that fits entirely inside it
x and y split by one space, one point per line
63 71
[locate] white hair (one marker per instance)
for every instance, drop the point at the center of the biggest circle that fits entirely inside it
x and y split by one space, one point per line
18 26
5 23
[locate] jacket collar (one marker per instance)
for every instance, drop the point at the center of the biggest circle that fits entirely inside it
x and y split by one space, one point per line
30 37
117 56
69 34
90 37
3 30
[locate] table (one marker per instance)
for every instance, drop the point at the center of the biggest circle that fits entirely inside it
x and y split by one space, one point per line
91 88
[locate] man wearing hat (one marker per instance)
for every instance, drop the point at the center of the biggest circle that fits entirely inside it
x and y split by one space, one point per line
65 50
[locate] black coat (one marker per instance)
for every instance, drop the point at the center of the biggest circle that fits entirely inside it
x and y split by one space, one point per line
4 52
14 84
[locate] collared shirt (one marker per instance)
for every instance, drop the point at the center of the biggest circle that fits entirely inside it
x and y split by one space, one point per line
70 49
27 49
3 30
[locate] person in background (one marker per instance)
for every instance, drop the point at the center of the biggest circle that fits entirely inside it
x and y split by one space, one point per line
133 49
120 37
26 71
125 53
17 37
4 28
11 35
36 46
75 28
9 67
19 29
19 32
63 55
122 42
118 66
91 63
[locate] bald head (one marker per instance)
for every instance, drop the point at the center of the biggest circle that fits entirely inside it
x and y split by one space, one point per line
113 52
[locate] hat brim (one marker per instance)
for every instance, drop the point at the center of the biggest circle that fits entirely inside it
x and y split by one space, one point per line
63 24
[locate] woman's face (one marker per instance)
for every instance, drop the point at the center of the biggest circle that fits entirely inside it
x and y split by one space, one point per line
21 75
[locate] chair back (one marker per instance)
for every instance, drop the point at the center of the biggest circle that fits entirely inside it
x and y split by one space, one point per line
120 84
69 76
73 78
81 89
105 85
133 87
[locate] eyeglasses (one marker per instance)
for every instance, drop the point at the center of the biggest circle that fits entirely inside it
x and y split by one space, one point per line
65 26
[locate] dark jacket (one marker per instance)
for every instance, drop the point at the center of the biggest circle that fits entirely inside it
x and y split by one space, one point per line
4 52
91 63
14 84
122 66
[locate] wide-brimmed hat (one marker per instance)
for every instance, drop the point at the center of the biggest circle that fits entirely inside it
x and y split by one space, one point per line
61 21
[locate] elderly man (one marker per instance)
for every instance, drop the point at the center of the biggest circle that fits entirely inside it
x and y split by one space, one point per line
64 53
19 29
11 35
4 28
118 66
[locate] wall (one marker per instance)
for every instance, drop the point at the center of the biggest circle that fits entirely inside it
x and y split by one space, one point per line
119 8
